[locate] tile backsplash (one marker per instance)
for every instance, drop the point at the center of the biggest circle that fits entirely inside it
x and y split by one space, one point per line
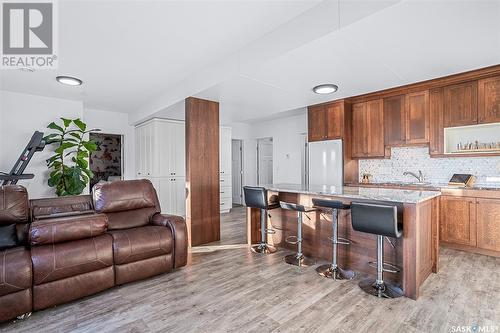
435 170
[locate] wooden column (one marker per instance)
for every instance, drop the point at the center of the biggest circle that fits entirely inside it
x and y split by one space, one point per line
202 171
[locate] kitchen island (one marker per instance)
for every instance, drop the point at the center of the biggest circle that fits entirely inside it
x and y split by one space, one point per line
415 253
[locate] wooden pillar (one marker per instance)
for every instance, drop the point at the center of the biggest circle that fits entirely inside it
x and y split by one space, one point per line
202 171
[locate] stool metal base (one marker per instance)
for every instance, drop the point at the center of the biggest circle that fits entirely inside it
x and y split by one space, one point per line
384 290
299 260
335 273
263 249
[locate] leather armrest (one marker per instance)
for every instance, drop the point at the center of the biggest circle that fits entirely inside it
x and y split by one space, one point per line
64 229
177 225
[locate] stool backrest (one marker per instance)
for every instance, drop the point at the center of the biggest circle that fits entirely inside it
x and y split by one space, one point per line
292 206
255 197
332 204
379 219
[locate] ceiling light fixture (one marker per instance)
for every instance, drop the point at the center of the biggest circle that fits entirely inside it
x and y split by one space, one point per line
69 80
325 88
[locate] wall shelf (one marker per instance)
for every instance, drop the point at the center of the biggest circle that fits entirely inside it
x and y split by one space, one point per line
482 134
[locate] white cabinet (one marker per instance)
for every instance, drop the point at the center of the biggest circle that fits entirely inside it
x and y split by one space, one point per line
160 157
225 161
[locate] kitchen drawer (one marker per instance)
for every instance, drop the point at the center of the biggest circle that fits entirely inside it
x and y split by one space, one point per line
225 181
226 204
225 192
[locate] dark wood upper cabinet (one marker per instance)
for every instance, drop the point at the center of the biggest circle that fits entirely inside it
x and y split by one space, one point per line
417 117
368 129
334 121
460 104
406 119
436 119
316 123
489 100
394 120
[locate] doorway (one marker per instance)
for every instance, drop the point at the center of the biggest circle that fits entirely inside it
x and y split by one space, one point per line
237 170
106 163
265 161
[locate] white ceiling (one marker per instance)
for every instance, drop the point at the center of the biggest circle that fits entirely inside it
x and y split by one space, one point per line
258 58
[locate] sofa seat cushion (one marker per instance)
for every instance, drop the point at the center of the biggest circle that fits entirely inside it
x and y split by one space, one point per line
58 261
141 243
15 270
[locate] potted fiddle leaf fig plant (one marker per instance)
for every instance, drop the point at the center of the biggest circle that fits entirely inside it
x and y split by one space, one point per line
69 166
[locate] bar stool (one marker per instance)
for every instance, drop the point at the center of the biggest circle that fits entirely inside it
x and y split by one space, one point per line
332 270
383 220
297 259
256 197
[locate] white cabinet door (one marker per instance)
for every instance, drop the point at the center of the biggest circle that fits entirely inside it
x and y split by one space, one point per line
138 151
179 147
164 151
225 151
165 195
180 196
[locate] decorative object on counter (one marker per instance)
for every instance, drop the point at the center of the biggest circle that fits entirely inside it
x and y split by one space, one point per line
366 178
462 180
477 146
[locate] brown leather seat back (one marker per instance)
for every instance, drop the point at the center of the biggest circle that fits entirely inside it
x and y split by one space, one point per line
14 212
128 203
59 207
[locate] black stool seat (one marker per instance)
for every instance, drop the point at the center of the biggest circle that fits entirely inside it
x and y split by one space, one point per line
332 204
383 220
377 219
333 270
256 197
297 259
296 207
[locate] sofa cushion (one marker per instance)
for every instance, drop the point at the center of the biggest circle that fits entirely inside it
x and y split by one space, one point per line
59 261
64 229
15 270
140 243
61 206
13 204
8 236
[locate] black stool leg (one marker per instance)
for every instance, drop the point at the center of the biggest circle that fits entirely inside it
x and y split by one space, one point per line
379 287
332 270
263 247
298 259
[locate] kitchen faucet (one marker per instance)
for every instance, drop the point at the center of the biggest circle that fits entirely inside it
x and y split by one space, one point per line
420 176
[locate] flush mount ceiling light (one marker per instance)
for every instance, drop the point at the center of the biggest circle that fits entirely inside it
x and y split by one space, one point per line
69 80
325 88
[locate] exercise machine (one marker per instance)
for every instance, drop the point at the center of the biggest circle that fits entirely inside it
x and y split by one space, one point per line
35 144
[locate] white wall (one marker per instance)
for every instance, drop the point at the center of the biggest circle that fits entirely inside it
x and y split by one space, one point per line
22 114
287 134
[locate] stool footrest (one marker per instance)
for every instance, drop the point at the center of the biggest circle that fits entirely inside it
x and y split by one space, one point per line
270 231
391 268
292 240
341 241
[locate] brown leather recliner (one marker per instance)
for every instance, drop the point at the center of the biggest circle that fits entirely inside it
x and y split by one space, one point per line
15 260
145 242
71 253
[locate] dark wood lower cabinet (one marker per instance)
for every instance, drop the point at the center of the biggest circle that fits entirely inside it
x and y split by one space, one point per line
488 224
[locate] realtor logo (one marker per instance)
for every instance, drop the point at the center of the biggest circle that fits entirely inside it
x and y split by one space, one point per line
28 35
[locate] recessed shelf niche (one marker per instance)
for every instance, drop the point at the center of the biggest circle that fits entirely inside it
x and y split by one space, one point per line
474 139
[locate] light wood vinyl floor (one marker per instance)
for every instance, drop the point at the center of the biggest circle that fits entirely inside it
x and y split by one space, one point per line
237 291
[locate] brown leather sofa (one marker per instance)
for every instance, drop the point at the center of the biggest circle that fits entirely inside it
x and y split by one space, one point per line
71 253
15 259
76 251
145 242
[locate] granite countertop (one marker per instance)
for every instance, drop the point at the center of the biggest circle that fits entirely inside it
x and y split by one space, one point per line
430 186
357 192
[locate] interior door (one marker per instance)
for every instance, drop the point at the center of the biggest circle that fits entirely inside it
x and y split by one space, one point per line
237 170
265 161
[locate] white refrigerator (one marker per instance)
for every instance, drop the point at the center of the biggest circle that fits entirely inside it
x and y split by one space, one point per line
325 163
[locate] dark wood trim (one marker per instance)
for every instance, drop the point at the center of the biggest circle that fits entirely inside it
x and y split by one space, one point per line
202 171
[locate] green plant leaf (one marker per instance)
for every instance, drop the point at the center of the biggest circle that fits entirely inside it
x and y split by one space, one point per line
89 145
76 135
66 122
80 124
82 163
56 127
63 146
